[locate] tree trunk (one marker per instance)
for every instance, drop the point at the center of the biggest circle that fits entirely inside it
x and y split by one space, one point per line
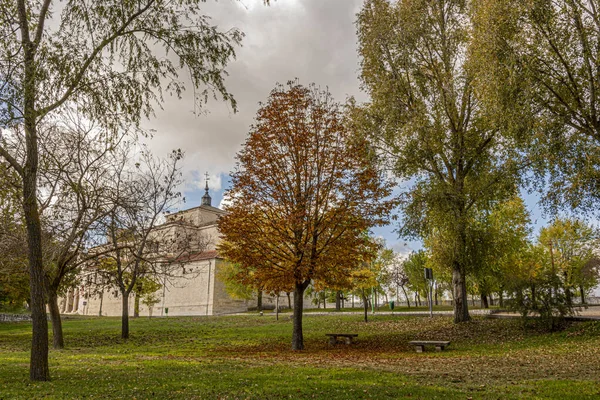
324 300
484 301
136 306
582 294
101 301
125 316
38 367
501 298
406 297
461 308
365 304
289 300
259 299
338 300
297 337
57 332
491 300
436 295
533 297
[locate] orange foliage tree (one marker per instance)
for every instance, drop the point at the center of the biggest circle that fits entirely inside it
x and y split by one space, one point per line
303 193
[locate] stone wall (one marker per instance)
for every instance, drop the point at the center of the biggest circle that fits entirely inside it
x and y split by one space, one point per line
14 317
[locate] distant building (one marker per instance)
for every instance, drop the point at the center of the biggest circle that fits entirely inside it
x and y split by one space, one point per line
194 290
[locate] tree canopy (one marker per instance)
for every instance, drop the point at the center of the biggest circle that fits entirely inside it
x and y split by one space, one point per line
303 194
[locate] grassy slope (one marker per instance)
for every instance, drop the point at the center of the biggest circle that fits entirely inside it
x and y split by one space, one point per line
249 357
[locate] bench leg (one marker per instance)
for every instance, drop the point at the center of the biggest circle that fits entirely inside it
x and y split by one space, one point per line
419 349
349 340
439 348
332 340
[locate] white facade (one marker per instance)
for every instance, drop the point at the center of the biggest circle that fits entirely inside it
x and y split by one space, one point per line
194 290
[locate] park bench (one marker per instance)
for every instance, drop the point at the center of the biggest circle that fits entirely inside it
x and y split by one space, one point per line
333 337
420 344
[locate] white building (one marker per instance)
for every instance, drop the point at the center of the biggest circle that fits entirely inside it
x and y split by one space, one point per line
195 290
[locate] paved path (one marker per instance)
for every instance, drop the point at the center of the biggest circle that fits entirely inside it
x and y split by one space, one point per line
591 313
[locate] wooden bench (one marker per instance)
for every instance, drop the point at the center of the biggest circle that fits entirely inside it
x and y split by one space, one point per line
333 338
420 344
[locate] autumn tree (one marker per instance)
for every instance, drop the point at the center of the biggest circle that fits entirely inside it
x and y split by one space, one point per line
303 194
115 59
429 116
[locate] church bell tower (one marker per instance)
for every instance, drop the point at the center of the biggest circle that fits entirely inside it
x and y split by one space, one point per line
206 200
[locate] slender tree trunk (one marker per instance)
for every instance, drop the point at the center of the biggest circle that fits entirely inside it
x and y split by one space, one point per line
57 332
533 297
484 301
136 306
582 294
338 300
101 301
259 300
365 304
125 316
297 337
501 298
289 300
324 300
406 297
436 295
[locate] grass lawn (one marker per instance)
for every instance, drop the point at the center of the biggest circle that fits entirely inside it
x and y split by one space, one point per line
249 357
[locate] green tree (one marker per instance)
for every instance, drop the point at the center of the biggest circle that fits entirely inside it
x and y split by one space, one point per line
545 53
414 267
429 116
102 56
571 243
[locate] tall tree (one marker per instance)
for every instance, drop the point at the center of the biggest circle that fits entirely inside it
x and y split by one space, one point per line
428 116
109 57
303 194
554 52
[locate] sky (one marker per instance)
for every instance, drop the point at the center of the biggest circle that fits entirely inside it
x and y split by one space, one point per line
312 40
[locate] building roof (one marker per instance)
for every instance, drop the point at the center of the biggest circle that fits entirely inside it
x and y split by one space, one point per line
203 207
202 256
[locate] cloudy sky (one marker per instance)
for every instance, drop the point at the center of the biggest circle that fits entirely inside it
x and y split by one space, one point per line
312 40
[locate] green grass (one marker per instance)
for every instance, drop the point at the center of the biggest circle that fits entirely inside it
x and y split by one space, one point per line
249 357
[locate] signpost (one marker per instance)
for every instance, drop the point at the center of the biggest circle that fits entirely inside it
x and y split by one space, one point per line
429 278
